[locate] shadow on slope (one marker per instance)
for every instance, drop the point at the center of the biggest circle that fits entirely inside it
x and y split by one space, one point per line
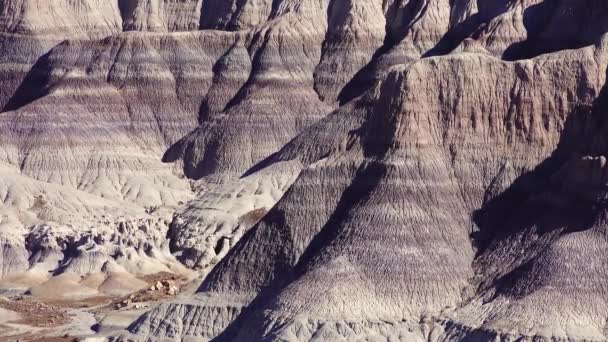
34 86
284 269
468 28
550 26
525 189
560 196
367 76
367 178
553 26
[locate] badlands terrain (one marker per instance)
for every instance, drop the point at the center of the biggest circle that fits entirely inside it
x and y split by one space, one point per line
303 170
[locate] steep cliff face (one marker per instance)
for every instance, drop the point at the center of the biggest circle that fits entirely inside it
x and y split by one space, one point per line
383 170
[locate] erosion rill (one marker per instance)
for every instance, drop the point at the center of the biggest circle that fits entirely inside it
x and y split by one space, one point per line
329 170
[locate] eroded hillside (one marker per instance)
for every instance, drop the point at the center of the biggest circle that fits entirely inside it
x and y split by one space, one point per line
412 170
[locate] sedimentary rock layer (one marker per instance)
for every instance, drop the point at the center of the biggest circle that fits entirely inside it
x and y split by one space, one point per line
391 170
392 242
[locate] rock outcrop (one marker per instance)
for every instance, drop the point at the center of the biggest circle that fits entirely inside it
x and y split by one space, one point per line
391 232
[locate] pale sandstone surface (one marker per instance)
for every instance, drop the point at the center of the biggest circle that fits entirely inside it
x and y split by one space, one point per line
356 169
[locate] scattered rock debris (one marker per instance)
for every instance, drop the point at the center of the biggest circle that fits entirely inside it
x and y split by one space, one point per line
162 285
36 314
